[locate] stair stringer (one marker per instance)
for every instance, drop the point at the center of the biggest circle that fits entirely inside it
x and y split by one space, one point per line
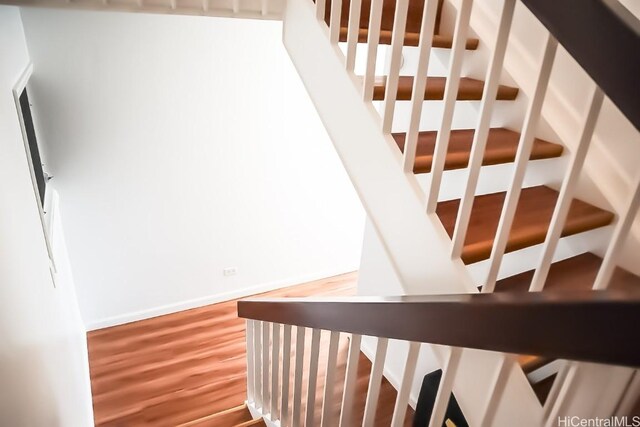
416 244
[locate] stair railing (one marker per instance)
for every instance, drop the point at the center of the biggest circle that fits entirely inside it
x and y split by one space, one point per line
614 68
588 326
423 256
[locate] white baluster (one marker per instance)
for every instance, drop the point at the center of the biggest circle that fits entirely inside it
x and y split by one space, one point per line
620 233
525 145
275 364
286 375
264 9
257 358
250 362
352 33
236 6
564 393
498 385
402 400
450 97
397 42
266 398
420 82
566 192
350 380
173 4
329 380
335 21
375 380
321 6
313 378
482 128
372 48
205 5
445 388
630 396
555 389
297 379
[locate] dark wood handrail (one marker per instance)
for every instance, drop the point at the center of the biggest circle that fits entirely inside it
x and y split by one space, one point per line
604 38
595 326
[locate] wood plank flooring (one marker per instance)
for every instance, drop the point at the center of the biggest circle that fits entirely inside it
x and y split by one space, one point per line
177 368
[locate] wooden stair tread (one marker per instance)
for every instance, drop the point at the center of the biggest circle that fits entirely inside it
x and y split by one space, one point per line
410 39
469 89
530 363
228 417
251 423
502 145
571 274
530 224
414 15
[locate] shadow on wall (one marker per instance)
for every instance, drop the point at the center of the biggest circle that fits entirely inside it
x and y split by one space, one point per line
25 387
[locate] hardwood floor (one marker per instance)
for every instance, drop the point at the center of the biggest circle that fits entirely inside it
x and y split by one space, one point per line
173 369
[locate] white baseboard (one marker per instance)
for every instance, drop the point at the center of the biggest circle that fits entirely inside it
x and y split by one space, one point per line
206 300
257 413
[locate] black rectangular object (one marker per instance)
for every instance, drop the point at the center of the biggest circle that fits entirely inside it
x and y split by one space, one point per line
27 119
427 399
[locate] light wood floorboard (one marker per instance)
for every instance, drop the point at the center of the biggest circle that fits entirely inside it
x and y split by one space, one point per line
184 366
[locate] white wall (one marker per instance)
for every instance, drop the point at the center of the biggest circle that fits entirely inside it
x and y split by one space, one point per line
43 359
181 146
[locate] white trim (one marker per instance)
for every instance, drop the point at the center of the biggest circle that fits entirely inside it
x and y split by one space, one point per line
274 12
22 81
206 300
256 414
18 88
545 371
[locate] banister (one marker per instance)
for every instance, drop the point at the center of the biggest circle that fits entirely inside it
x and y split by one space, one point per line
593 326
604 38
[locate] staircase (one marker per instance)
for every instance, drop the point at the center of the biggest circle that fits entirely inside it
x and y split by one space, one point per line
376 121
434 244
